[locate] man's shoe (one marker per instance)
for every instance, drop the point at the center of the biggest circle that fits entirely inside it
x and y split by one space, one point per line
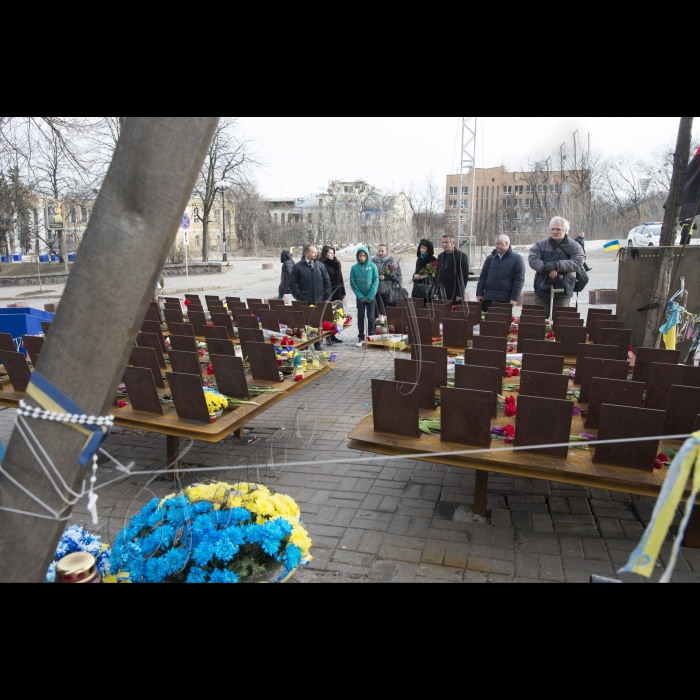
337 340
361 344
317 347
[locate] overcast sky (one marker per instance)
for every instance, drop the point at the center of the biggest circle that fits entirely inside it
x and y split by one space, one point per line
301 154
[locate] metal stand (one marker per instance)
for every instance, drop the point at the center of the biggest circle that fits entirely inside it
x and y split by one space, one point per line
481 494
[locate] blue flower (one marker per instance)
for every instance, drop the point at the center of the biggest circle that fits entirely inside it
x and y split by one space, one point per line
293 557
156 571
223 577
197 576
175 561
226 551
202 507
240 515
204 553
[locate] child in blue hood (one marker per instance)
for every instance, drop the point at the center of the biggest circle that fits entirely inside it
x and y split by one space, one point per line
364 280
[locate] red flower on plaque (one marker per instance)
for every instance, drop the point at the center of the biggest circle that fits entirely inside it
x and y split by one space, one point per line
299 378
550 336
454 308
511 349
511 407
210 370
273 339
284 342
291 343
187 302
210 324
327 326
509 434
202 353
280 363
122 404
662 461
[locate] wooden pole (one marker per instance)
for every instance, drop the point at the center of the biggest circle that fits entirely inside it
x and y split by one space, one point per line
134 224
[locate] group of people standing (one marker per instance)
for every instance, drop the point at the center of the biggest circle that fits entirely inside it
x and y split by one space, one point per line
377 281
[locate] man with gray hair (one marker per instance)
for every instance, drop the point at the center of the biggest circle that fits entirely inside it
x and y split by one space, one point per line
503 276
556 261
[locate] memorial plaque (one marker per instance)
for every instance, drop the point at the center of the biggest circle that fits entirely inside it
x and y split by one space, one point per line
440 310
142 391
494 330
263 362
486 358
147 358
257 308
282 313
540 321
188 397
602 369
34 345
217 332
543 363
683 407
173 316
648 356
600 326
483 379
546 386
614 392
6 343
152 315
625 423
411 303
260 301
417 376
395 412
46 327
527 332
155 329
247 336
237 305
223 320
601 352
249 322
540 347
592 311
230 376
193 297
436 355
195 308
456 334
198 321
564 311
420 331
570 338
620 338
295 320
216 307
299 305
500 305
221 347
216 300
596 321
465 417
697 425
535 308
183 343
185 362
396 318
322 313
181 329
663 377
149 340
270 321
234 300
17 369
498 316
484 342
544 422
566 322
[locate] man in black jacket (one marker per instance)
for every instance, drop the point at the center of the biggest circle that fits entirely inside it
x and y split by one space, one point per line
309 280
453 272
581 240
503 277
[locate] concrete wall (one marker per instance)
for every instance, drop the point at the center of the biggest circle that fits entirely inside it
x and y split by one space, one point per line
637 275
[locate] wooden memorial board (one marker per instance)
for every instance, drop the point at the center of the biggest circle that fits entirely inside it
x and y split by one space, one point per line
147 358
322 313
499 316
411 303
593 311
540 347
183 343
7 344
299 305
221 347
614 392
570 338
185 362
181 329
270 321
435 355
173 316
216 307
565 311
484 342
482 379
420 375
198 321
697 425
230 376
152 315
465 417
440 310
263 362
248 322
396 408
194 298
544 422
188 397
217 332
457 333
591 367
500 305
600 322
420 331
233 300
295 319
540 321
195 308
486 358
625 423
17 369
223 320
601 352
142 391
543 363
619 337
662 378
683 406
546 386
257 308
247 336
396 318
149 340
527 331
46 327
494 330
34 345
648 356
258 301
237 305
566 322
155 329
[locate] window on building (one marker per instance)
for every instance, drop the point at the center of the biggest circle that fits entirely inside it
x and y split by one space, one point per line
83 215
555 202
228 218
453 204
218 241
531 189
465 191
528 204
542 203
507 191
518 203
453 191
465 204
505 216
507 203
72 216
275 218
519 190
517 216
320 202
217 215
542 190
196 215
527 216
539 216
196 242
554 189
282 219
310 218
566 189
347 190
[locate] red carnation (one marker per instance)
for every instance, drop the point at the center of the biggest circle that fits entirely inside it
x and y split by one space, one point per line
210 370
509 434
187 302
661 461
435 264
122 404
280 363
202 353
511 407
284 342
273 340
390 268
291 343
298 378
550 336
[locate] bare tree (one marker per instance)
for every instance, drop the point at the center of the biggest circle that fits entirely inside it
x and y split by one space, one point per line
427 202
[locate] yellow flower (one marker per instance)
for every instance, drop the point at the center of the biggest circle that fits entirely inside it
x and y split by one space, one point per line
109 579
300 538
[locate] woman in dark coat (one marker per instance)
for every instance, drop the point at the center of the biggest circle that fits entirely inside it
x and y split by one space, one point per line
287 266
335 272
426 256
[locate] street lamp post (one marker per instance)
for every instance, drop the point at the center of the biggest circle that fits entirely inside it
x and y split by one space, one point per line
223 186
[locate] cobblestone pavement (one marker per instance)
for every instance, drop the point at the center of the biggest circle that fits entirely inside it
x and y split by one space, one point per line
384 520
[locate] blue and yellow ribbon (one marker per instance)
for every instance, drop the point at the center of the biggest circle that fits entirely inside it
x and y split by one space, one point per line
41 391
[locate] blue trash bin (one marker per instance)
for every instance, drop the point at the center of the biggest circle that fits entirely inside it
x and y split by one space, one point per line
43 258
3 258
71 257
54 258
17 258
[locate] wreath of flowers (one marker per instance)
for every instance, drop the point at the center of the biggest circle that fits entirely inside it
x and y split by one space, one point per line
215 401
214 533
77 539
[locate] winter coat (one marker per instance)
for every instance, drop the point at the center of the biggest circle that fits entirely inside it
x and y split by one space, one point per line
392 277
582 243
310 284
421 263
364 278
287 266
502 279
335 272
568 258
452 278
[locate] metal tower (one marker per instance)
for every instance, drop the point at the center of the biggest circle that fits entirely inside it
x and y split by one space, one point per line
465 223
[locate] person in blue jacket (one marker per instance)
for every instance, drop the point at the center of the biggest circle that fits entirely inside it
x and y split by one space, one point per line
503 276
364 280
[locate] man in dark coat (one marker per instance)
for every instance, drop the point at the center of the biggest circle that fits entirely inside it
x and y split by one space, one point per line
503 277
581 240
310 282
287 266
453 272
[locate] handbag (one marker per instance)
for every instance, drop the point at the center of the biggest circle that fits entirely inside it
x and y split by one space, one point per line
395 294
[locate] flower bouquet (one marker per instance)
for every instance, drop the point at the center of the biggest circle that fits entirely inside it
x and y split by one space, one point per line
214 533
430 270
216 403
76 539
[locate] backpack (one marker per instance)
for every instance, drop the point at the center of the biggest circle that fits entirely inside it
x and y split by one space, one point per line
582 279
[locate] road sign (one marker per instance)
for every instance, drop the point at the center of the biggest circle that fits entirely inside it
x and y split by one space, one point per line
186 222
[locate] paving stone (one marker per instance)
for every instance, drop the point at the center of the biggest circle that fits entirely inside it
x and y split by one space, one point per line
359 571
574 520
418 527
481 534
353 558
351 540
409 556
440 573
526 565
599 568
571 547
434 553
533 508
456 556
389 504
382 571
448 535
501 517
399 525
542 523
576 530
522 521
633 531
372 502
483 552
558 506
551 568
595 549
600 495
580 506
615 513
371 542
404 573
491 566
610 529
503 537
683 577
692 556
519 498
543 488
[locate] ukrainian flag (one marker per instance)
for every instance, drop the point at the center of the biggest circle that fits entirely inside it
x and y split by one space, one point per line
613 245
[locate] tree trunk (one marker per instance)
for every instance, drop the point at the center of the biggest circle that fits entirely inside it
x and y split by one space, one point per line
134 224
205 238
664 275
